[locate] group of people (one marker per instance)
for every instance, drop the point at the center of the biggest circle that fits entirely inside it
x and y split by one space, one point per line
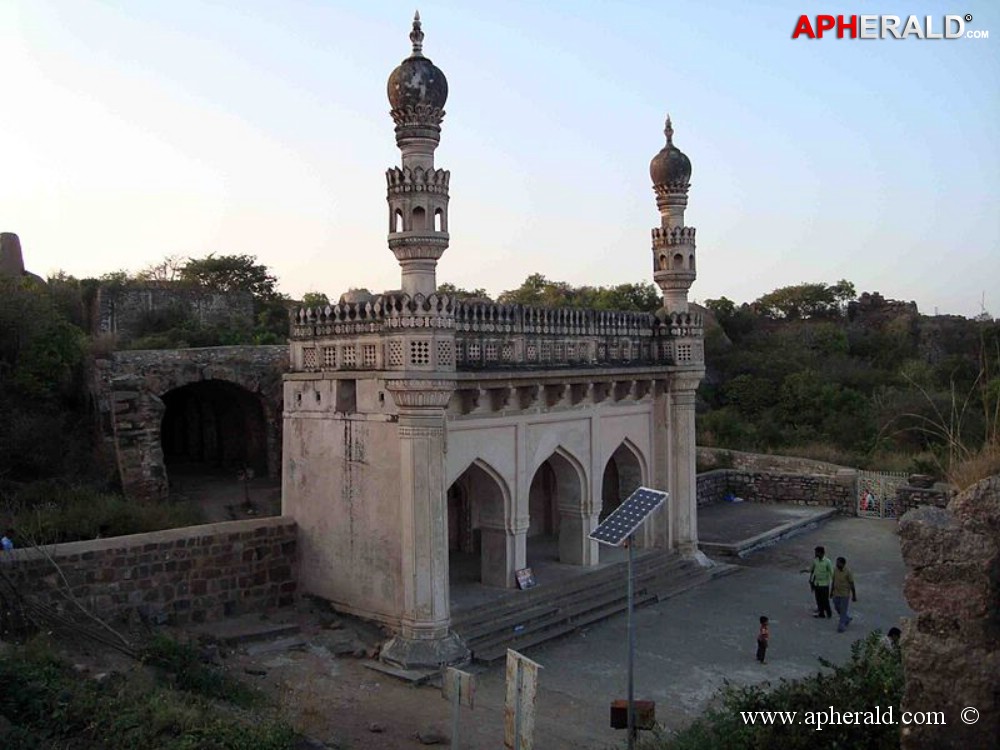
832 581
828 581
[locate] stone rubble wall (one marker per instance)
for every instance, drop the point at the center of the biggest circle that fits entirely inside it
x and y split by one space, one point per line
766 487
120 310
909 497
190 574
722 458
951 649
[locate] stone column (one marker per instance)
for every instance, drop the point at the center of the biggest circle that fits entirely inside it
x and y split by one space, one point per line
425 639
683 478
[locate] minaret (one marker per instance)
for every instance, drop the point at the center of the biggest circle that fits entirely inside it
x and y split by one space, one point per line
417 192
673 243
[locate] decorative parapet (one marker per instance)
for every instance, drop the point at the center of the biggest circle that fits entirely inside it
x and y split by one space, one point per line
442 333
406 180
671 237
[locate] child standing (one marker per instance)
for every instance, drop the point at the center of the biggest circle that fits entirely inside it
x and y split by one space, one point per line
763 637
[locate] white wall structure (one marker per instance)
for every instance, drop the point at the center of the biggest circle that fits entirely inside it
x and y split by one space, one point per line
417 424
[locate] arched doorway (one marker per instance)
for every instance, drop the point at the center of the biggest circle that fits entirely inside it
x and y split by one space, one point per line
213 425
477 532
622 477
555 513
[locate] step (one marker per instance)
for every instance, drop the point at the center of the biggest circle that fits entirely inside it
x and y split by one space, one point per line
246 629
518 601
519 644
536 617
569 613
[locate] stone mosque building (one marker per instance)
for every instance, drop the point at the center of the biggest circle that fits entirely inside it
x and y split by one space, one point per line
422 431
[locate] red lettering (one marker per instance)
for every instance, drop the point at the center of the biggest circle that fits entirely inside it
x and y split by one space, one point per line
824 23
842 27
803 27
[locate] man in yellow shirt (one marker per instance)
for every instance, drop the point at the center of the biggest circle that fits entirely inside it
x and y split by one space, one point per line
842 588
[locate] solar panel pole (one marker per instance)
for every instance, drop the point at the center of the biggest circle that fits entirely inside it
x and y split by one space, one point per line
631 647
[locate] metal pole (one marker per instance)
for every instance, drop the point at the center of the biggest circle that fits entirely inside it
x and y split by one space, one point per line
631 650
455 707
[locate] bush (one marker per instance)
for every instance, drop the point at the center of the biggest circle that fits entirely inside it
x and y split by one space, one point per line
50 512
872 677
49 705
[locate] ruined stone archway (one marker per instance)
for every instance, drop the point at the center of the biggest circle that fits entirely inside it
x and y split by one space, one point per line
477 532
134 389
556 512
212 425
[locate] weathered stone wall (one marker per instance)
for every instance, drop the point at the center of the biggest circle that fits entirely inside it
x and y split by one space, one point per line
121 310
721 458
951 649
909 497
187 575
766 487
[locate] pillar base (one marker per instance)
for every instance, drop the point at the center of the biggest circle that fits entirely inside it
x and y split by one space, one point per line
425 653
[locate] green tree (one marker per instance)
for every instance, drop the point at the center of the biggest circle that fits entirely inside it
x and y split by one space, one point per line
459 293
315 299
806 300
232 273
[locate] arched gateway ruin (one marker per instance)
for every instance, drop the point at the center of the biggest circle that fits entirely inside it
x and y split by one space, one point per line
423 431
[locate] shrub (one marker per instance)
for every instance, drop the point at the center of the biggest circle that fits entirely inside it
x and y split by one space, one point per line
50 512
872 677
50 705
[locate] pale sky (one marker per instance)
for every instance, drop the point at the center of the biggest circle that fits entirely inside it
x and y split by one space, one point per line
134 130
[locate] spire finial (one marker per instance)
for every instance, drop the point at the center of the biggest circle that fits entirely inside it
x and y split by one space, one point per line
417 36
669 132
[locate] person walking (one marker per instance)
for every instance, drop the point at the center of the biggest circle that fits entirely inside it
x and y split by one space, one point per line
820 578
843 592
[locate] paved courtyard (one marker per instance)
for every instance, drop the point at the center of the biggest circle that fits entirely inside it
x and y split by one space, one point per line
689 645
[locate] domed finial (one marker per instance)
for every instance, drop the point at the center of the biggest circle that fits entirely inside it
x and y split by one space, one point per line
417 36
669 132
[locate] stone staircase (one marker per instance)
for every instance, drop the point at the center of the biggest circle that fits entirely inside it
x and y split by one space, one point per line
522 619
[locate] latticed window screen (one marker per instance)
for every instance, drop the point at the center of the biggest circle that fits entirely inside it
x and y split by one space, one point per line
684 352
309 359
420 353
602 352
459 352
560 352
532 352
507 352
570 352
546 351
349 356
444 354
370 356
475 352
491 352
330 357
395 354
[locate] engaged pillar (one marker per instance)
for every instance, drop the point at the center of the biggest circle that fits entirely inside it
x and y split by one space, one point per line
425 639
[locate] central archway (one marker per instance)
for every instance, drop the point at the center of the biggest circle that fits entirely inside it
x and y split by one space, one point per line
622 476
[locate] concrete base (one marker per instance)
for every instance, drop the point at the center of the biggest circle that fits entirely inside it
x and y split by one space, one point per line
412 654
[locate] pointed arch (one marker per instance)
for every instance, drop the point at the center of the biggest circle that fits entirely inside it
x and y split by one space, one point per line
624 472
478 509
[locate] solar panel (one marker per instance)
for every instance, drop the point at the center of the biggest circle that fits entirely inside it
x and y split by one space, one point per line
628 516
